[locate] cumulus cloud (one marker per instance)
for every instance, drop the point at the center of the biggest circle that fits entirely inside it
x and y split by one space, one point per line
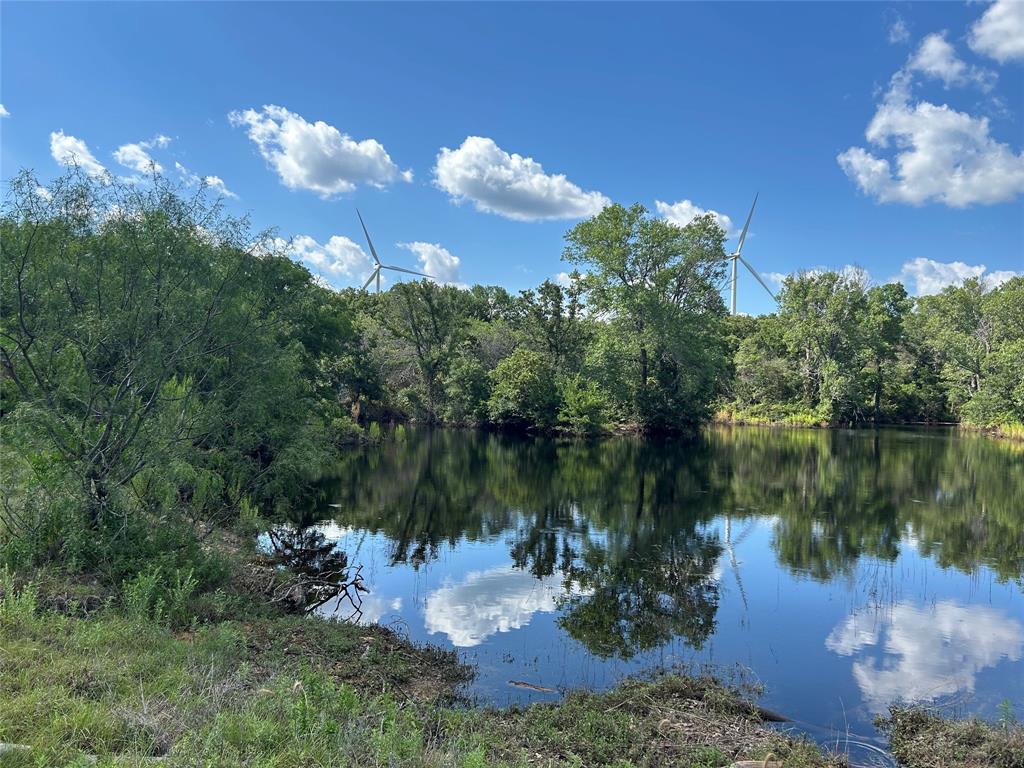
485 602
563 279
937 58
435 260
316 156
919 654
999 33
4 112
898 32
71 151
510 185
338 258
775 278
941 155
214 183
136 156
924 277
685 211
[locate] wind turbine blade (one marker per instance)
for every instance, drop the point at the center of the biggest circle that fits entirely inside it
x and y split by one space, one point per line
754 273
743 234
403 269
373 250
370 278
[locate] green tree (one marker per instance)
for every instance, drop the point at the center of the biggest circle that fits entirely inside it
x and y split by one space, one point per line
432 321
553 322
156 358
823 316
655 287
887 308
524 393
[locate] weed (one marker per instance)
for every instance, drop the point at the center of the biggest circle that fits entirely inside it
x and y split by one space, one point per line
17 604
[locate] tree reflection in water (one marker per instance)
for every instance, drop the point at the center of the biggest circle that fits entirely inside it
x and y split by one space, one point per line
320 571
630 527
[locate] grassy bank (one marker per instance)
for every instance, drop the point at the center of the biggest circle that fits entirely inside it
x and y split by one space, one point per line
95 675
781 416
768 417
79 678
919 738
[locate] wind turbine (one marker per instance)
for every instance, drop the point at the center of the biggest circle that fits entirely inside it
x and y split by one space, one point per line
730 548
736 257
375 275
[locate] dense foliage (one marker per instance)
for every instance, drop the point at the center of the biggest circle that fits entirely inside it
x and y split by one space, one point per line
164 369
839 351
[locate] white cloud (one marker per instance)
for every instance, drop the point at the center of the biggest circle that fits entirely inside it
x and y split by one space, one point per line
190 178
683 212
999 33
924 653
937 58
941 155
776 278
70 150
44 194
316 156
4 112
510 185
136 156
898 32
435 260
214 183
339 257
497 600
563 279
924 277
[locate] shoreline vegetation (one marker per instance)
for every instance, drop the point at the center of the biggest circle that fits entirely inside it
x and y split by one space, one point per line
171 379
92 677
729 417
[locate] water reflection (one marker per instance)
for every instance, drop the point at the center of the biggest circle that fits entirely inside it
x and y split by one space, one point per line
485 602
911 653
590 560
835 496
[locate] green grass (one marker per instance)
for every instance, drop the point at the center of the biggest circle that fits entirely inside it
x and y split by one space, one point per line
923 739
769 416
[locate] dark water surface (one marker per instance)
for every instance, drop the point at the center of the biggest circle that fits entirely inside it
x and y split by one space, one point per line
842 569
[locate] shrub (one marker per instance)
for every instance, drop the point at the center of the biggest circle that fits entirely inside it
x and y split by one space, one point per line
584 407
524 394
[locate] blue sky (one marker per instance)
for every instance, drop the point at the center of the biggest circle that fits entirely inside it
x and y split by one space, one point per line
546 112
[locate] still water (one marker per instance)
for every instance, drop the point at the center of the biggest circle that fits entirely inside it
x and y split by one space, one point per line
843 570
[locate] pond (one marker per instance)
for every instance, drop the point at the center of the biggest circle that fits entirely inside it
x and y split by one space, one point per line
843 570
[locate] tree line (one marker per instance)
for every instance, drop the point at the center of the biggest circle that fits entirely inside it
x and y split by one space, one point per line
841 351
162 362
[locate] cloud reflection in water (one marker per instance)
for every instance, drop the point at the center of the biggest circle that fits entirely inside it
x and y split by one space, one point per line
920 654
484 602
